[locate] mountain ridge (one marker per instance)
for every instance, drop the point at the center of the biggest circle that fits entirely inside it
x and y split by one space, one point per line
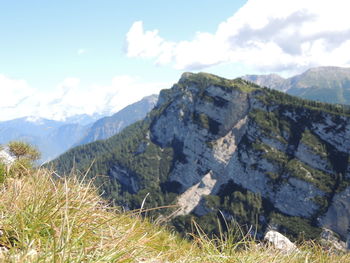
212 143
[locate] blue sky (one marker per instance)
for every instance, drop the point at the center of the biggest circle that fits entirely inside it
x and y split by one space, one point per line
40 39
60 58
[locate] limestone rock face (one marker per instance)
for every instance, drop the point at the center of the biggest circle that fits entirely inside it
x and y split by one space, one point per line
337 217
190 122
223 131
190 199
330 239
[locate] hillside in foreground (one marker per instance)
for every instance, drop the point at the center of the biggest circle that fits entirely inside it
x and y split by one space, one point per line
46 219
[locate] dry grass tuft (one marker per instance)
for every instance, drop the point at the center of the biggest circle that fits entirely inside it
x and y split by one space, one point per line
64 220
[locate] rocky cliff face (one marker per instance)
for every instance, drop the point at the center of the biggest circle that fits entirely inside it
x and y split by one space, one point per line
291 156
258 155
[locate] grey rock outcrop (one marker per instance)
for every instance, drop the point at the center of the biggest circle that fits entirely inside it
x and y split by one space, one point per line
337 217
279 241
332 240
220 148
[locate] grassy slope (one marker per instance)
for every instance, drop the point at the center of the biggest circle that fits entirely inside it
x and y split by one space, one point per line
63 220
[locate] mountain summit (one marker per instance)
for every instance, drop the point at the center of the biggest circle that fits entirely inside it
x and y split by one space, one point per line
212 144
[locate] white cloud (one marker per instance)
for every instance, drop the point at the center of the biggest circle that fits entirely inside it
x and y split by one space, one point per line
148 44
13 92
69 97
268 35
81 51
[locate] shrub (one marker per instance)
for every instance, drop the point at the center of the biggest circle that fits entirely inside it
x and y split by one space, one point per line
23 150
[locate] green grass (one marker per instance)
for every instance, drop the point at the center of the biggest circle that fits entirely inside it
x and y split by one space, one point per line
271 124
321 180
206 79
297 227
314 144
45 218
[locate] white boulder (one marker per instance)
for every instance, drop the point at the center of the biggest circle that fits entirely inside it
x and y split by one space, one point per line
279 241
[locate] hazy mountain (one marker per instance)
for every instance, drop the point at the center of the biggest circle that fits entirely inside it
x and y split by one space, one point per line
258 156
84 119
36 127
326 84
109 126
53 138
273 81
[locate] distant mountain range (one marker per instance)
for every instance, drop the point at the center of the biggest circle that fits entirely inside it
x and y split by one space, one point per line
50 137
109 126
53 138
326 84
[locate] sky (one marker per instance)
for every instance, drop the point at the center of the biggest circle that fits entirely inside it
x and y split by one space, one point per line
67 57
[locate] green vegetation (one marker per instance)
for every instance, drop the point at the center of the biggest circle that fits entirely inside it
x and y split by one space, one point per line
272 124
324 181
206 122
269 96
271 154
22 150
3 171
245 206
65 220
205 79
295 168
327 84
149 169
25 157
323 84
312 141
298 228
232 204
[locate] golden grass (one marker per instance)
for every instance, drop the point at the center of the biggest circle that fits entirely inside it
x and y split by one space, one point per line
63 220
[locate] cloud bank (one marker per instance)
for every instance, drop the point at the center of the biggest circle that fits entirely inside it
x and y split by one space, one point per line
70 98
269 35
